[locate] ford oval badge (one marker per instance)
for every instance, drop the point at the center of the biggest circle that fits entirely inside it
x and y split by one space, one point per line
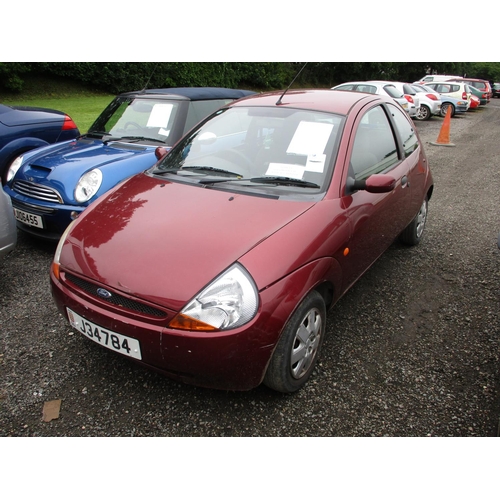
104 294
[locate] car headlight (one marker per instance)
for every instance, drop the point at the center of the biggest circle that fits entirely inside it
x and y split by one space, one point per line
57 256
229 301
14 167
88 185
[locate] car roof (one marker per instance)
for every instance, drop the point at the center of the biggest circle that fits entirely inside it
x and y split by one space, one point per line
384 82
447 82
471 79
364 82
193 93
332 101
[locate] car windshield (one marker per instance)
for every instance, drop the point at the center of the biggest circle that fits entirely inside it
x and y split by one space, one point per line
136 118
260 148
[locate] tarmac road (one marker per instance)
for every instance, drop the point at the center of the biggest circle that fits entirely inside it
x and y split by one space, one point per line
412 349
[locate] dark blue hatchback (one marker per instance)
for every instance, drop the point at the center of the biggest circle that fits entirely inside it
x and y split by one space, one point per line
23 128
51 186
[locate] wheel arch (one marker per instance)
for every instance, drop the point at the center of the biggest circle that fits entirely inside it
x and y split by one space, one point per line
17 147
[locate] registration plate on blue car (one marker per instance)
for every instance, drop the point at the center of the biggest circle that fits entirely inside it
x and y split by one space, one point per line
112 340
29 219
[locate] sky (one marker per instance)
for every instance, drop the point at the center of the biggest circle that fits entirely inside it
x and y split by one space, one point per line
57 30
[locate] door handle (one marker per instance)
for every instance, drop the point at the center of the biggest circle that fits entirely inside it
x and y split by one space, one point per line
404 181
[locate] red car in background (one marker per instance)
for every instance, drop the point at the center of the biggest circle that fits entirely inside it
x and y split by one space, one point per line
218 265
482 85
475 102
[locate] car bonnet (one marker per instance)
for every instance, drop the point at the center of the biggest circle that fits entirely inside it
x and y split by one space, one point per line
164 241
63 166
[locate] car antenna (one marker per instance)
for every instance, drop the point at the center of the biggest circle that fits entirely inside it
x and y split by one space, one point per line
278 102
149 79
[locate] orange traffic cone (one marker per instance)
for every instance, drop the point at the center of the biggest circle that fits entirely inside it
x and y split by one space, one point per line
444 134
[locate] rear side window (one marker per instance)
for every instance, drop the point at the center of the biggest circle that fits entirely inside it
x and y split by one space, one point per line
405 131
370 89
478 85
345 87
445 88
374 149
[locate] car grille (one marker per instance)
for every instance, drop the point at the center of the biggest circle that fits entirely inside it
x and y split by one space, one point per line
37 191
115 299
38 209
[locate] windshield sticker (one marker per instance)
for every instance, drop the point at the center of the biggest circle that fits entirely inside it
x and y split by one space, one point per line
160 115
315 163
310 138
164 132
285 170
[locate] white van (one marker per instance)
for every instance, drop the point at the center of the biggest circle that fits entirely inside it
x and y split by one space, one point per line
437 78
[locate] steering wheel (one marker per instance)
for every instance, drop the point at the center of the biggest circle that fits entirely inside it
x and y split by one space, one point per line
236 157
131 124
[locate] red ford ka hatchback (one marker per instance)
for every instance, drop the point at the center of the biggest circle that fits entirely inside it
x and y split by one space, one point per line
216 266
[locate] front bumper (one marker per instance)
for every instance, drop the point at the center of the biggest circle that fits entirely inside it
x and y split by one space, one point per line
229 360
52 218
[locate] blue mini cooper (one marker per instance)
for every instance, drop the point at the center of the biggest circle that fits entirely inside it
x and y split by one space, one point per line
51 186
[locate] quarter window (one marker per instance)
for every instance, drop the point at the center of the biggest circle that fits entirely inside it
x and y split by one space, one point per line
405 131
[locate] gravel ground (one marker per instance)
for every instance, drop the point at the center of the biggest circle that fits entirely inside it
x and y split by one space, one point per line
412 349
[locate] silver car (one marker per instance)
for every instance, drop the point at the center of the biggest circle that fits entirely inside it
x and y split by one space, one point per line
430 102
380 88
408 93
8 229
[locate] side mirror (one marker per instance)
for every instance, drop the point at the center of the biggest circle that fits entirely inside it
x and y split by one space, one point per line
161 152
376 183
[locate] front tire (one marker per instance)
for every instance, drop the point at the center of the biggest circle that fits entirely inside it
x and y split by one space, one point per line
415 230
297 351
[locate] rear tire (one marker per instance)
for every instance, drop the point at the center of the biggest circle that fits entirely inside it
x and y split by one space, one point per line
444 109
414 232
424 113
297 351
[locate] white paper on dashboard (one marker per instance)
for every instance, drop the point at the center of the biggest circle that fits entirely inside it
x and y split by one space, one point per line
315 163
285 170
160 115
310 138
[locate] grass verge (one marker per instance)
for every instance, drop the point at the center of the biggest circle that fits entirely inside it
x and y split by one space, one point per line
82 104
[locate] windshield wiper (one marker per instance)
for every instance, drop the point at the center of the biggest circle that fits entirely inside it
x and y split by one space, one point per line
211 169
217 171
133 138
284 181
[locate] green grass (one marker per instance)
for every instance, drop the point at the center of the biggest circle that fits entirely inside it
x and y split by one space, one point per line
83 105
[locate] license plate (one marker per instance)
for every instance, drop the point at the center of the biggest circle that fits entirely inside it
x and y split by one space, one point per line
112 340
29 219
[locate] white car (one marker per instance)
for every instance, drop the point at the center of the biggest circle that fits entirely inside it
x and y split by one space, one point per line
409 94
380 88
459 90
430 102
436 78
